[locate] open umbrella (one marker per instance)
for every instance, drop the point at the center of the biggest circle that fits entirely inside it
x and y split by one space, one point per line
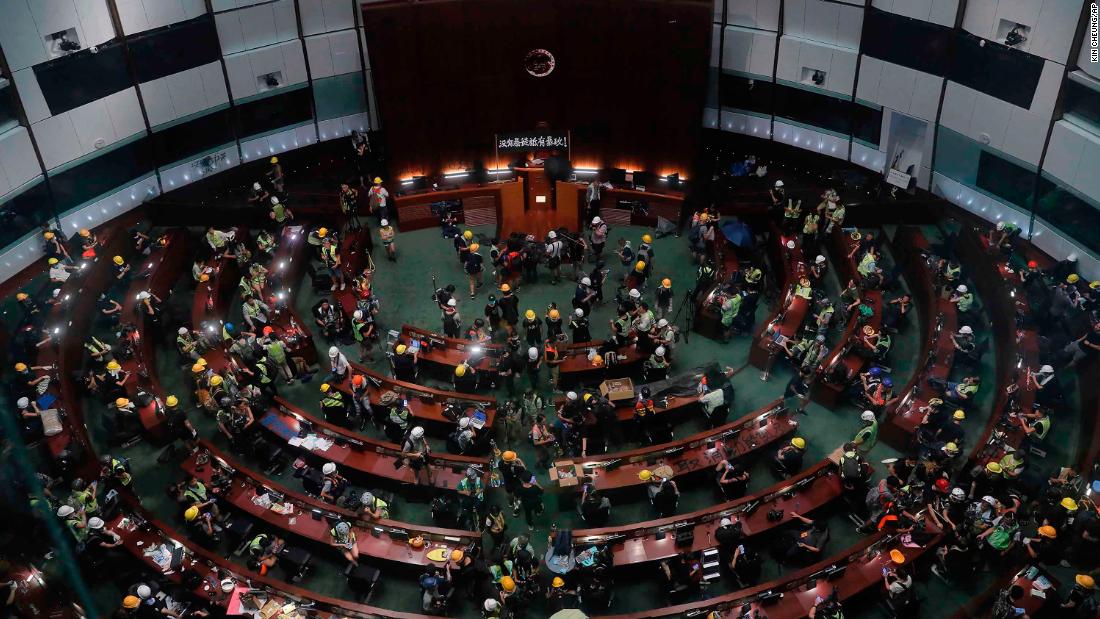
737 232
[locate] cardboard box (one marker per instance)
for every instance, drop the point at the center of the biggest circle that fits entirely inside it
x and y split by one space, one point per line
567 473
617 389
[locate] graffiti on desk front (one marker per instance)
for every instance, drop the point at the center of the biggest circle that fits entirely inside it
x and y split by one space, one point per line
710 457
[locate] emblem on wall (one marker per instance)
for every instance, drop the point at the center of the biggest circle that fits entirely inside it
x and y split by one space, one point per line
539 62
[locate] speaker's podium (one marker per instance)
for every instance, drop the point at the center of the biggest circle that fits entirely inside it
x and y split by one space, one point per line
540 212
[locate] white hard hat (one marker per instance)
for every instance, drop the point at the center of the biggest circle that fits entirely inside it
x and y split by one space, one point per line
65 510
451 303
464 422
572 395
819 259
328 468
962 288
144 294
660 352
182 331
95 522
966 330
579 312
532 353
491 605
144 592
385 222
366 498
23 402
867 416
274 200
725 522
988 500
596 219
357 314
1000 225
1046 369
790 244
586 281
333 351
634 294
662 323
256 186
417 432
778 183
552 235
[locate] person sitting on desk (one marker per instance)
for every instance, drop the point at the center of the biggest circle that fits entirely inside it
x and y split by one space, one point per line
263 552
342 537
788 460
806 542
963 392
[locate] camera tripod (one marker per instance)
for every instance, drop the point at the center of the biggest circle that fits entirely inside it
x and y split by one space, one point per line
689 303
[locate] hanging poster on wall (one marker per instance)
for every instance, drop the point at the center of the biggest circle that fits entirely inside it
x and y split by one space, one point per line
533 140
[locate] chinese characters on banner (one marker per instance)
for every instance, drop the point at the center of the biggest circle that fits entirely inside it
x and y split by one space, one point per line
532 140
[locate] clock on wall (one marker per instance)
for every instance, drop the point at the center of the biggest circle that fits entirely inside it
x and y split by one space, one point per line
539 62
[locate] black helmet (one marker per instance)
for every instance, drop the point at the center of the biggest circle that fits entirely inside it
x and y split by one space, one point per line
105 460
78 484
645 392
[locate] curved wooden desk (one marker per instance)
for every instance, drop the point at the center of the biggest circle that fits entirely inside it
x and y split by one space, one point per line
699 452
246 486
940 322
637 543
358 455
163 267
787 317
850 573
829 394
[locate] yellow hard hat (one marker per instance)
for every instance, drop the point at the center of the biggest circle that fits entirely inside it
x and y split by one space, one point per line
322 232
507 583
468 235
51 261
171 401
202 361
215 380
121 402
555 314
993 467
597 360
1085 581
530 314
1094 284
84 232
325 387
460 370
587 397
666 283
951 447
645 474
377 180
118 260
131 602
646 238
205 277
1073 278
1069 504
1048 531
20 367
191 513
21 296
896 556
474 247
197 368
456 555
960 414
401 348
49 235
505 288
557 583
799 442
274 160
113 366
640 266
509 456
703 217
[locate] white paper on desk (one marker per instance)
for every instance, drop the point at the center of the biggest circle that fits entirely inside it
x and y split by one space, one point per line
295 441
1038 593
322 444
